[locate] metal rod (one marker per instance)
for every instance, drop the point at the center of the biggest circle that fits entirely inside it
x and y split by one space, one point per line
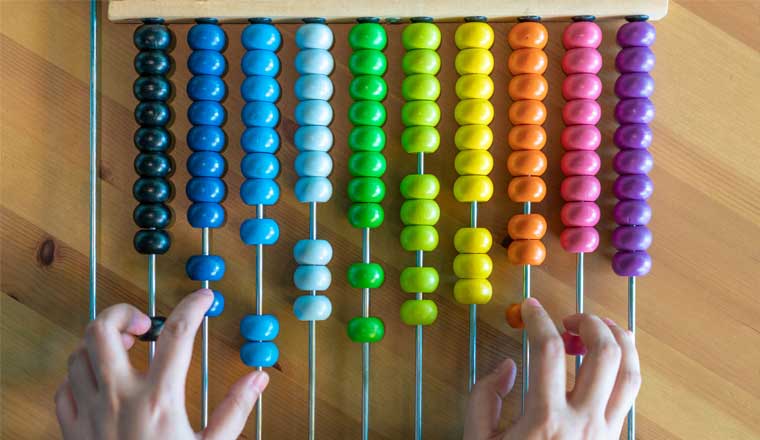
473 377
632 328
259 311
579 300
93 157
419 260
525 343
151 299
312 338
205 245
365 345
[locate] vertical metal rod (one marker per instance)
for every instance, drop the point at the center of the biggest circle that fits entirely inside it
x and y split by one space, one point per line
312 339
525 343
579 300
259 311
632 328
205 246
151 299
419 257
365 345
473 377
93 157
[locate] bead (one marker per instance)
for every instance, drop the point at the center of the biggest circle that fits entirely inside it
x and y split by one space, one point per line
526 163
420 139
260 88
418 312
260 192
366 329
313 252
314 36
206 62
582 60
367 164
421 61
420 113
575 240
367 113
474 34
526 189
313 164
528 86
365 275
366 215
633 162
365 138
261 63
259 231
312 308
206 138
217 306
634 111
473 266
206 88
152 62
632 238
473 189
580 162
313 138
152 88
421 36
637 33
313 87
206 36
581 86
367 36
317 61
152 242
206 113
580 214
313 112
477 162
152 36
473 137
473 240
521 252
419 279
313 189
205 215
419 238
309 278
581 112
634 85
574 346
206 164
582 34
420 86
420 186
259 327
474 87
261 36
632 212
152 215
151 190
156 325
259 354
473 112
526 227
367 62
527 60
368 88
528 34
633 136
260 114
366 189
469 61
580 188
631 264
527 112
420 212
206 189
633 186
152 139
635 59
526 137
205 268
473 291
152 113
260 166
581 137
514 316
153 164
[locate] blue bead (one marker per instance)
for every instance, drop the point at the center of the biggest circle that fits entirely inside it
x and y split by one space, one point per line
259 354
314 36
152 113
206 113
260 88
260 114
152 139
259 327
310 278
152 36
205 215
313 138
256 231
313 87
316 61
153 62
206 36
205 268
260 62
206 138
206 189
206 88
260 140
313 164
261 36
313 252
260 192
206 62
152 88
312 308
313 112
217 307
313 189
206 164
260 166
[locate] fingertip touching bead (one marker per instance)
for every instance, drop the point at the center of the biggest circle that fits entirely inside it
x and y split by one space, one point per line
419 279
205 215
205 268
473 240
574 346
366 329
152 241
473 291
365 275
310 278
418 312
217 306
259 231
259 327
259 354
312 308
156 325
514 316
313 252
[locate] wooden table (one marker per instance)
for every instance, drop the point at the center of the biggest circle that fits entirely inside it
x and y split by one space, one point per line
699 336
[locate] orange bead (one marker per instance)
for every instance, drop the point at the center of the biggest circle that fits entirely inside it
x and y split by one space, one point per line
526 227
526 189
530 252
527 61
514 316
528 34
528 86
526 163
527 112
527 137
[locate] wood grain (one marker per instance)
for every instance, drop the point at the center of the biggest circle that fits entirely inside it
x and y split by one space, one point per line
699 336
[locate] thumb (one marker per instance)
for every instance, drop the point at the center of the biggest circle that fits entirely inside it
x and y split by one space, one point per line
484 406
232 413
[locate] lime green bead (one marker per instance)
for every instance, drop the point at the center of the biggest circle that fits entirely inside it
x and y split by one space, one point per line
366 189
473 189
365 275
368 88
477 162
474 87
421 36
473 240
366 164
473 291
473 266
367 36
425 113
420 139
420 186
367 113
474 61
419 312
474 34
369 329
419 279
420 86
419 238
366 215
421 61
473 112
367 62
420 212
366 138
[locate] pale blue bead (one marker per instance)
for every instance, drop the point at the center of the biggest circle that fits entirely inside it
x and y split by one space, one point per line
310 278
313 252
313 138
314 36
316 61
312 308
313 164
314 87
313 189
314 112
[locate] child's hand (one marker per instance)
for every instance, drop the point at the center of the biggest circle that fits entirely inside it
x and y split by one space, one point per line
104 397
607 383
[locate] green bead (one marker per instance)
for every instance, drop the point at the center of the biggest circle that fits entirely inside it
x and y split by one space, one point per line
366 164
366 189
420 186
419 279
368 88
418 312
419 238
425 113
366 275
367 62
367 113
420 212
369 329
421 36
421 61
367 36
420 139
366 138
420 86
366 215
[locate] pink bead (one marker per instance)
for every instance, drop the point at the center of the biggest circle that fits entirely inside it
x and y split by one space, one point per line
582 34
580 163
580 214
581 112
582 60
574 346
576 240
580 189
581 137
581 86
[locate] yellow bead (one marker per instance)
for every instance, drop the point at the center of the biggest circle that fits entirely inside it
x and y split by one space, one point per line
473 112
473 162
473 266
473 291
473 137
474 61
474 34
475 86
473 189
473 240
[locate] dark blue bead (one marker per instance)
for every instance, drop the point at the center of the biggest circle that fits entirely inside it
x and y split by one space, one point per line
261 36
206 189
152 36
217 307
260 166
260 140
259 354
206 138
259 192
152 139
260 62
152 215
206 164
153 62
260 114
152 241
206 88
259 327
206 36
151 190
152 88
205 215
152 113
156 325
206 113
259 231
205 268
153 164
207 62
260 88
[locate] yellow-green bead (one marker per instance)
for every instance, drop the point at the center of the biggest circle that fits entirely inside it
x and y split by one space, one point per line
366 138
420 86
474 86
419 238
420 139
366 329
473 189
473 266
425 113
420 186
473 112
473 162
420 212
473 240
473 291
421 61
474 34
473 137
419 312
474 61
421 36
419 279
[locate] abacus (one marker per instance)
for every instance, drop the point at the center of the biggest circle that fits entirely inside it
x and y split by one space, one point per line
420 115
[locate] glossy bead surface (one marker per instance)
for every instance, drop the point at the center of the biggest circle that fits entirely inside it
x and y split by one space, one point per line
530 112
152 215
206 113
633 162
526 163
367 113
420 113
418 312
633 186
205 268
635 59
528 86
152 88
631 264
585 163
528 34
313 164
314 36
419 238
477 162
421 36
315 61
313 138
206 164
574 346
521 252
632 212
420 212
634 111
313 252
580 214
152 114
367 36
259 192
474 86
420 86
472 266
514 316
366 215
634 136
634 85
419 279
420 139
149 241
152 36
217 306
156 325
260 62
151 190
469 61
260 88
259 354
526 227
580 189
206 189
260 166
527 60
368 88
474 34
420 186
206 88
473 137
366 329
367 62
153 164
527 137
206 36
581 112
581 86
636 33
366 138
366 189
526 189
312 308
259 327
313 189
582 34
421 61
473 291
205 215
365 275
261 36
632 238
473 112
473 189
473 240
581 137
256 231
367 164
583 239
313 112
152 139
206 138
313 87
312 278
582 60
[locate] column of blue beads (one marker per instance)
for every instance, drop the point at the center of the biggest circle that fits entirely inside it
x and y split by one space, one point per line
260 167
206 189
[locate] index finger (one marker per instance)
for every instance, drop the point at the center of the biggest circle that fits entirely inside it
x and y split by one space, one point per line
547 357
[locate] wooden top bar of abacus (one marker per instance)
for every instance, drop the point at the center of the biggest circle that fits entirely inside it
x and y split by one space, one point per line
337 11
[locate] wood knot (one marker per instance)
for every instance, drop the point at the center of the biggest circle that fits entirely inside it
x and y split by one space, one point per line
46 252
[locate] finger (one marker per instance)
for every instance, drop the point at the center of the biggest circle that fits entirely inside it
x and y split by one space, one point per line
65 409
628 381
232 413
484 405
81 378
547 357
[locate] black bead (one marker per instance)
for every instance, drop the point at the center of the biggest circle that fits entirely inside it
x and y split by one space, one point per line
151 190
152 241
152 113
152 36
152 139
152 215
152 88
156 325
153 62
153 165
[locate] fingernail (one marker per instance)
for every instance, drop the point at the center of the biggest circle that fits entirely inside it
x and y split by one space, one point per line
259 382
205 292
503 366
608 321
139 322
533 302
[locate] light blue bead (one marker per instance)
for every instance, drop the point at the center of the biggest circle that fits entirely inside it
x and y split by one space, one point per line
317 61
260 166
260 62
313 164
206 62
313 112
313 87
259 327
261 36
206 164
205 268
313 252
206 189
206 138
314 36
205 215
206 36
260 114
310 278
259 192
313 189
260 140
260 88
312 308
206 88
313 138
217 307
259 354
256 231
206 113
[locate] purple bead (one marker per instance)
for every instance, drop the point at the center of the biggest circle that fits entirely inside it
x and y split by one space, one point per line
633 162
634 111
634 85
632 264
637 33
633 136
632 212
635 59
633 187
632 238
